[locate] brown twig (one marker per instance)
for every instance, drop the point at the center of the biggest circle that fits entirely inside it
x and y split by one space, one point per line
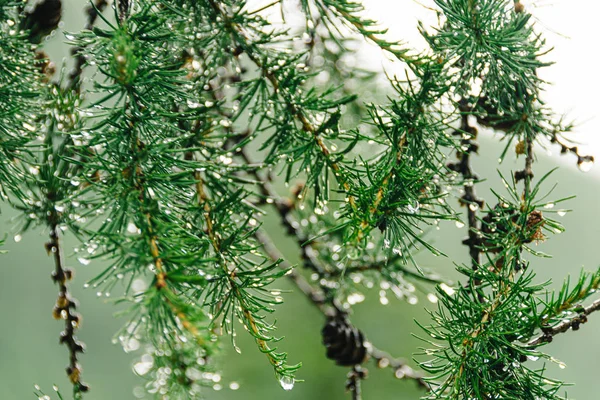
74 77
400 367
355 376
315 296
566 148
65 306
565 325
380 265
469 198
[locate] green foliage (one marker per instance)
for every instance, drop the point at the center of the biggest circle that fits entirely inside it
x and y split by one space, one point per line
163 164
19 96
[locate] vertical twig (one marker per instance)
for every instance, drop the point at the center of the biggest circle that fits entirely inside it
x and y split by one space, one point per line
65 306
74 77
124 8
469 198
353 384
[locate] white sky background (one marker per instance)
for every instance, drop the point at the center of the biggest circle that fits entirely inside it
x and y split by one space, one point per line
571 27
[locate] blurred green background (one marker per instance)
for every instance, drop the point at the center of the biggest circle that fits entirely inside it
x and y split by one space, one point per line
30 353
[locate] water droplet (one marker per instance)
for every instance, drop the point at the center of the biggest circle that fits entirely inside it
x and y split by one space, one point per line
383 363
586 163
286 382
562 365
234 386
142 368
459 224
131 228
562 213
432 298
447 289
533 358
30 128
130 344
384 300
415 209
83 261
18 238
549 205
55 388
225 159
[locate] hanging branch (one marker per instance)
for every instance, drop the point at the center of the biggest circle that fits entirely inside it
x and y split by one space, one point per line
65 305
469 199
74 77
240 38
400 368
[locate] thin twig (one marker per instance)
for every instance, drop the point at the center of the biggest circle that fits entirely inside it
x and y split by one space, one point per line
469 199
161 276
355 376
315 296
400 367
566 148
65 307
380 265
74 77
565 325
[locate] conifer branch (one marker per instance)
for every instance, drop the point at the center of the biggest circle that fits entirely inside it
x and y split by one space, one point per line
161 277
469 199
240 38
349 13
203 202
400 367
154 174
